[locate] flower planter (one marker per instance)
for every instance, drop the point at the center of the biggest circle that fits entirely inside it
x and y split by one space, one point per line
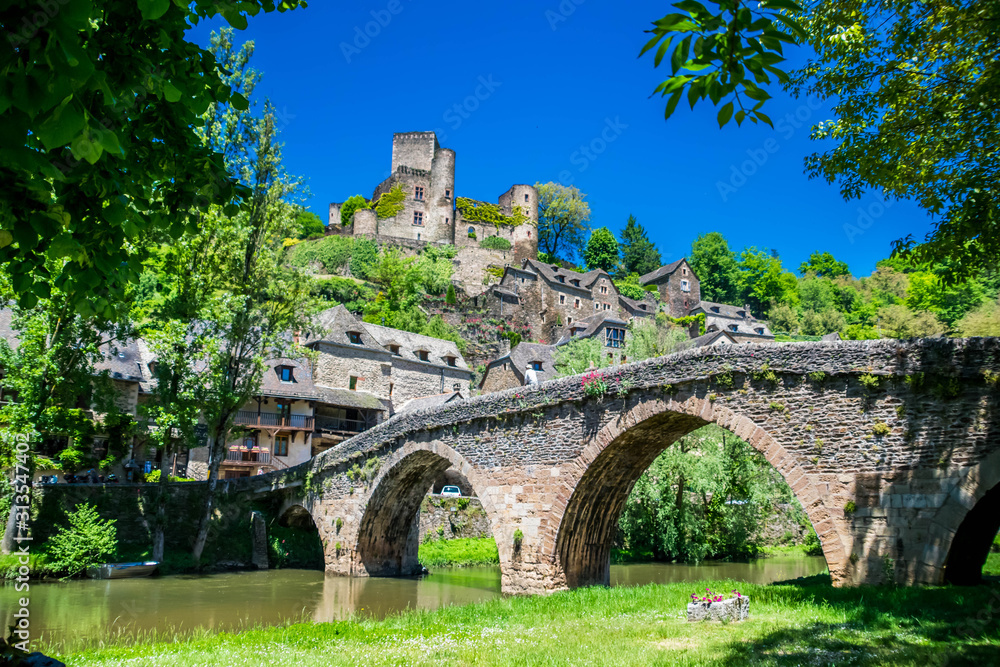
733 609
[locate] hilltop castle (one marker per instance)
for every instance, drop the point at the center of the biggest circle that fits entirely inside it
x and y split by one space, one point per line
433 213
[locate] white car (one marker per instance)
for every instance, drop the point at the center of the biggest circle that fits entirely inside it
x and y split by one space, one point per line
451 492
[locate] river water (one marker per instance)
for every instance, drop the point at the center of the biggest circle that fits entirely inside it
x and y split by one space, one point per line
91 610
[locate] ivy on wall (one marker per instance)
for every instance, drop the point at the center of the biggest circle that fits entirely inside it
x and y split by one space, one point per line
390 204
688 319
490 214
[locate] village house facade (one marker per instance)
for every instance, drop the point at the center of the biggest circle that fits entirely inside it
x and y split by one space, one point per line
677 285
737 321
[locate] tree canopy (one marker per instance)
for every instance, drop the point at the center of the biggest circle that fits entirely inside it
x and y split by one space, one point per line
101 108
715 265
601 251
562 220
824 264
639 254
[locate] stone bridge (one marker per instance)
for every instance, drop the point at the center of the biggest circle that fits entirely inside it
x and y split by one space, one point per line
893 449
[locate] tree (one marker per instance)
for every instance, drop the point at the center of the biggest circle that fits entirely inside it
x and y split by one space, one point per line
762 281
824 265
783 318
912 86
639 254
562 220
983 321
601 251
309 225
353 203
108 151
650 338
715 265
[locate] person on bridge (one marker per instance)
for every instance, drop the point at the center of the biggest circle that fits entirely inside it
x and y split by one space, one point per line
530 376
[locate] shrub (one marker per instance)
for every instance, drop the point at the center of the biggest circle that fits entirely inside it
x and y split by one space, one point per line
518 538
88 540
850 507
462 503
764 374
495 243
812 545
363 258
450 298
594 384
881 429
353 203
869 382
331 252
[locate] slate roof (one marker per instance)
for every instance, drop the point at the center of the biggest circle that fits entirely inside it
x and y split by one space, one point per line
637 306
664 270
122 360
546 271
525 353
350 399
333 325
410 343
705 340
832 336
590 326
725 310
301 387
426 402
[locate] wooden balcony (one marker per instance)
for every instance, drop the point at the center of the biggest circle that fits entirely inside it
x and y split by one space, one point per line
337 424
242 457
274 420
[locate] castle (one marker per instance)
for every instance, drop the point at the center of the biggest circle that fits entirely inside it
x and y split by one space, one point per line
433 213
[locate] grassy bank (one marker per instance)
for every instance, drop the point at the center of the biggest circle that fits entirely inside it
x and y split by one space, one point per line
806 622
461 552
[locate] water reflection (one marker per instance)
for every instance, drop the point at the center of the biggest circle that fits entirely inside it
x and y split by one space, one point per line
91 610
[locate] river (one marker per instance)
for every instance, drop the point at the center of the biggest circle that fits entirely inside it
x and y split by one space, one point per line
91 610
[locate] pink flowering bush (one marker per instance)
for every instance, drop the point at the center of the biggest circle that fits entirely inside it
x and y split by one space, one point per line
713 597
594 384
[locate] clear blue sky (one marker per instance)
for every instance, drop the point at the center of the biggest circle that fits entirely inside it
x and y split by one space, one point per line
556 80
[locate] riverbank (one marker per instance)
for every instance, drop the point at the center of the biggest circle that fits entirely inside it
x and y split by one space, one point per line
802 622
460 552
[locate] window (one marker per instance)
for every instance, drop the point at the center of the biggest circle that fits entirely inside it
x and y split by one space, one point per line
353 383
281 445
597 306
562 298
355 337
576 283
152 368
760 330
525 197
456 387
285 373
741 313
451 361
447 194
536 365
607 306
390 389
561 279
576 303
250 441
418 218
684 271
715 309
529 233
418 236
447 220
733 327
472 230
604 289
685 286
418 192
394 349
423 355
569 320
642 306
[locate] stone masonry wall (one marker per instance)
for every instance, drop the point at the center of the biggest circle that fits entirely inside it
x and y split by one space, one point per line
455 520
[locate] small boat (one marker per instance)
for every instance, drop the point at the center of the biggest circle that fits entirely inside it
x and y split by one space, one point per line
122 570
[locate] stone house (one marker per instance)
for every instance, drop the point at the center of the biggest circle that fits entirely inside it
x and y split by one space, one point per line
547 298
509 370
611 330
737 321
392 365
433 213
677 285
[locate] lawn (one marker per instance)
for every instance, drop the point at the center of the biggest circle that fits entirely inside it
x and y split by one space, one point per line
460 552
807 622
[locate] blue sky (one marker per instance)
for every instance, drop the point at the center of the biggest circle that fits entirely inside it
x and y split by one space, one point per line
552 91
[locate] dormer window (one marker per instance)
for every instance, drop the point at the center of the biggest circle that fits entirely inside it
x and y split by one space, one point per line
394 349
354 337
418 192
423 355
536 365
741 313
575 282
734 327
152 368
760 330
642 306
285 373
451 361
715 309
561 279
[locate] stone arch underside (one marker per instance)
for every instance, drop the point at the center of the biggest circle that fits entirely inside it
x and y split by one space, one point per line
964 528
619 454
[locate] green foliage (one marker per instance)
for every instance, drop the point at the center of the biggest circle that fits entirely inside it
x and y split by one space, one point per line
881 429
330 253
765 375
289 547
39 567
85 541
712 52
563 215
762 280
518 538
309 225
819 377
594 384
490 214
335 290
459 552
495 243
850 507
983 321
639 254
579 355
688 320
783 317
364 258
824 265
715 265
353 203
870 382
629 287
677 510
601 251
123 86
450 297
364 474
390 204
648 338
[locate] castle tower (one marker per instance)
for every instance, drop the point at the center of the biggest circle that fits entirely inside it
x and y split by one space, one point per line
525 237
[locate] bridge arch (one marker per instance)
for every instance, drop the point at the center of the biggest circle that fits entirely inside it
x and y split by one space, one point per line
387 522
964 527
625 447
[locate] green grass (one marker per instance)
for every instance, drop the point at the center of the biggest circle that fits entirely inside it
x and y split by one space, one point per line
461 552
805 623
38 566
992 567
